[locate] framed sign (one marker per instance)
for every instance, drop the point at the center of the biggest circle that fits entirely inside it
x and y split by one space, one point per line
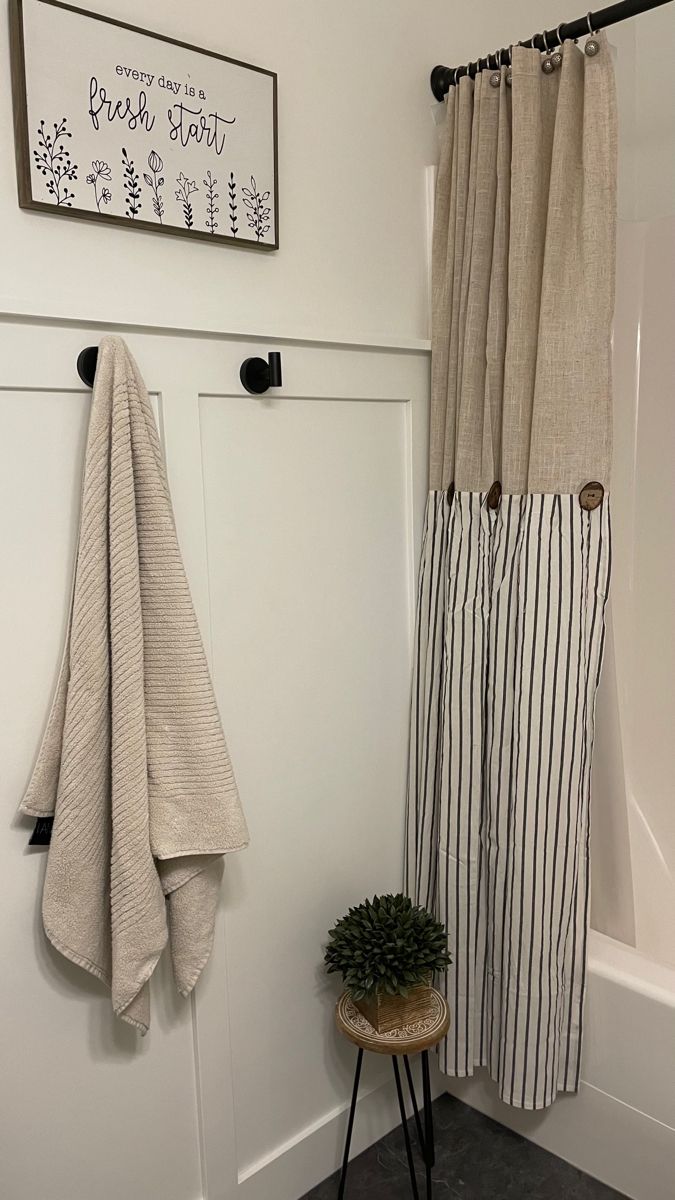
114 123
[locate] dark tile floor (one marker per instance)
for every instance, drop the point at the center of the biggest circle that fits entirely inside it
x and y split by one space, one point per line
476 1159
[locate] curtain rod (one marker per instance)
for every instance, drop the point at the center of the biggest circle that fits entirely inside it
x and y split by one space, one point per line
443 78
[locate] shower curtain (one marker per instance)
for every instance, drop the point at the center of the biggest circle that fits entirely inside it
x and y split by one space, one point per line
515 560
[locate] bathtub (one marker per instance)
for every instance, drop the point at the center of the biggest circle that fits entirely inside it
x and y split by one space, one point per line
620 1127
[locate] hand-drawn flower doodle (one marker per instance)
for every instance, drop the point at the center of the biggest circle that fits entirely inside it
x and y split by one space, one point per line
53 160
131 186
258 216
211 207
155 182
100 170
186 188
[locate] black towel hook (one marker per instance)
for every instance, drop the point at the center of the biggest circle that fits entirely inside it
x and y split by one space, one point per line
257 375
86 365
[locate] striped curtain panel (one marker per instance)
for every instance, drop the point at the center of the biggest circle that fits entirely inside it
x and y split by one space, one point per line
515 561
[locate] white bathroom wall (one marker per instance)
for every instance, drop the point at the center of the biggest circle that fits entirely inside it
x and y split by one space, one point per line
297 514
654 160
299 521
354 135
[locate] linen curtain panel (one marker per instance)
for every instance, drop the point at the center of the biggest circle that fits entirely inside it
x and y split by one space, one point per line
516 560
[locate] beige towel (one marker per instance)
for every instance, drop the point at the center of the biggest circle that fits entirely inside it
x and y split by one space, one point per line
133 764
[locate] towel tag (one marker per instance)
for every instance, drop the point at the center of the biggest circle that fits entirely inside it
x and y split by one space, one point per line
42 834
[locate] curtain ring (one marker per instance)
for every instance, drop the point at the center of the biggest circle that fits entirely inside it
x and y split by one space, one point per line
509 60
496 76
557 56
547 64
592 46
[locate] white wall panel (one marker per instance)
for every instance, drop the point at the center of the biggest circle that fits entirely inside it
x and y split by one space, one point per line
88 1108
298 515
308 570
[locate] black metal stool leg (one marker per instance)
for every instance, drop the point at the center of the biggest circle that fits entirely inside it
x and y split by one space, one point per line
413 1097
429 1149
404 1122
350 1125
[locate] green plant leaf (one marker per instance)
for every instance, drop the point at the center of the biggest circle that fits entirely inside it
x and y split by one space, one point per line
386 944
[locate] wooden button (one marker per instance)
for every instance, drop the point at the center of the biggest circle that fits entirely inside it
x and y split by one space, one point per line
494 495
591 496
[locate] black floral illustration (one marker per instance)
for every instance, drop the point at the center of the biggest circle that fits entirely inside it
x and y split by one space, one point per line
186 188
258 216
54 162
232 192
100 170
155 181
211 206
131 186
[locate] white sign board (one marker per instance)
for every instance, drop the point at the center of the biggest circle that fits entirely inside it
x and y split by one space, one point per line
117 124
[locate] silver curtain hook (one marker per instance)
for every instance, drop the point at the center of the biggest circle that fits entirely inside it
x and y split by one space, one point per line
496 76
557 56
509 60
547 65
592 46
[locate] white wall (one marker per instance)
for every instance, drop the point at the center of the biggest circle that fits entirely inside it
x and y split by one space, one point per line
655 115
355 133
242 1092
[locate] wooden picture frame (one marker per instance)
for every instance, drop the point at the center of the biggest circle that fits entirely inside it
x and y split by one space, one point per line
237 136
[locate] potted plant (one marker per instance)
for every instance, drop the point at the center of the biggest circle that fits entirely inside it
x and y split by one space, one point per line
387 950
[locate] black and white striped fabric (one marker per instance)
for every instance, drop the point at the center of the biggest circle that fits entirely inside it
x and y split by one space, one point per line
508 647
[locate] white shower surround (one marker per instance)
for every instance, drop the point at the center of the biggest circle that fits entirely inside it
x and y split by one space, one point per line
620 1127
633 789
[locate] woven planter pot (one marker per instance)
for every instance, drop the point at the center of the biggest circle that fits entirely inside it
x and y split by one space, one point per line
387 1012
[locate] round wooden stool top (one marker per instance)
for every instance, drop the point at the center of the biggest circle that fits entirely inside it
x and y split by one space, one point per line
409 1039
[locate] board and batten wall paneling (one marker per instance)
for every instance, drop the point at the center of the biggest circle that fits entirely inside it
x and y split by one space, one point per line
88 1110
298 513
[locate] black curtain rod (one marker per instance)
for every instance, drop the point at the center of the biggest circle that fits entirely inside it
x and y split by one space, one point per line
442 78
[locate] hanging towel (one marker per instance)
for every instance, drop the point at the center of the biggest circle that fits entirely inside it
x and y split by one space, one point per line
133 765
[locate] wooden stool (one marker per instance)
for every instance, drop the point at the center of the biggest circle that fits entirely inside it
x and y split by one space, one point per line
416 1038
